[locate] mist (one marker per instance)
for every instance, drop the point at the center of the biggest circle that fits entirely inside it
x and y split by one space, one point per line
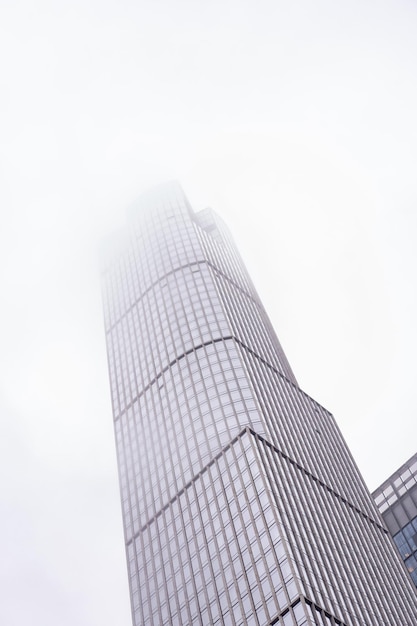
296 122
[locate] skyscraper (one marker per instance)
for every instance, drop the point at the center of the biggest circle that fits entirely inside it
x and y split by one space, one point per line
241 502
396 499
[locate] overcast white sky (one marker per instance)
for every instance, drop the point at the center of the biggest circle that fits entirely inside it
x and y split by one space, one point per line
297 122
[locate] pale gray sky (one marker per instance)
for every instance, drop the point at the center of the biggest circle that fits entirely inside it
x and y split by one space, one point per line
296 121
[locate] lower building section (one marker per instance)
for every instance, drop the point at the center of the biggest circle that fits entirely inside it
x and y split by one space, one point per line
254 538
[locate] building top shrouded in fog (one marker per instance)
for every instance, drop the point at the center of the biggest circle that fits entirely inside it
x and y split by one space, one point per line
241 502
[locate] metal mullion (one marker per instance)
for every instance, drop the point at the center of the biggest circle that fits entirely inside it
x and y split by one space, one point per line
326 470
276 491
167 563
316 584
223 488
242 523
175 522
339 549
191 489
289 502
287 404
268 404
214 534
252 516
333 438
320 547
250 292
261 463
186 363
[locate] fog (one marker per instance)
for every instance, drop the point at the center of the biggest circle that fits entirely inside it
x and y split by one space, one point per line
296 121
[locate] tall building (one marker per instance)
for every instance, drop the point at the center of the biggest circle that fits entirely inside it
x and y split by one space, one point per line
241 502
396 499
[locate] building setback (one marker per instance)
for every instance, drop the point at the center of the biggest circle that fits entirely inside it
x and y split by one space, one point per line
396 499
241 502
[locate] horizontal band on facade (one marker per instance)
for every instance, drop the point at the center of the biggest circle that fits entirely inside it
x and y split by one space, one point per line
208 343
189 483
313 606
217 271
317 480
167 367
250 431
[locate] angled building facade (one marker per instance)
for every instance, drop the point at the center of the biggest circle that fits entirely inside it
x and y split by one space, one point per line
241 502
396 500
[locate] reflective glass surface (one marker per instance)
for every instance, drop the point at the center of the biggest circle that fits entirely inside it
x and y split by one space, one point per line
241 502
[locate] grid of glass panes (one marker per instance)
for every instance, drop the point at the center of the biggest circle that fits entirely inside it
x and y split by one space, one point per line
396 486
244 310
286 409
192 360
178 424
305 431
406 542
159 302
330 560
216 553
173 318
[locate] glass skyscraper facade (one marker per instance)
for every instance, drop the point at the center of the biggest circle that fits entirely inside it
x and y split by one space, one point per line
396 499
241 502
